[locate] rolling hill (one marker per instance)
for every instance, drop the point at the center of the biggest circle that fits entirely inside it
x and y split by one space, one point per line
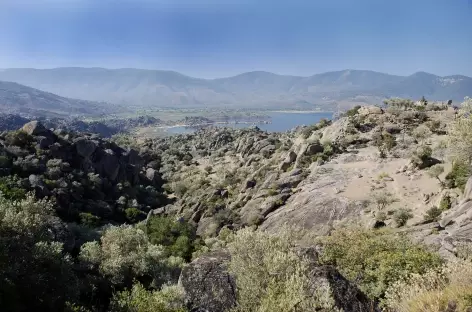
17 98
156 88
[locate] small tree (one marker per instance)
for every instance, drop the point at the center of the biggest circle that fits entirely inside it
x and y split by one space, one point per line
401 216
422 133
432 214
460 140
424 101
435 171
383 199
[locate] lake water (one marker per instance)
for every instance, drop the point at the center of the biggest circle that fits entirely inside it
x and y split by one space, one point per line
281 121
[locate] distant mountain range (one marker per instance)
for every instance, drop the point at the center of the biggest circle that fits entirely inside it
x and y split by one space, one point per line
156 88
17 98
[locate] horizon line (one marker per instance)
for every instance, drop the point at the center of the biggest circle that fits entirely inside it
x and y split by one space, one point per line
224 77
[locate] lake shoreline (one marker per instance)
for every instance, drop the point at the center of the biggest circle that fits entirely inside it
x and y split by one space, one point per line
302 112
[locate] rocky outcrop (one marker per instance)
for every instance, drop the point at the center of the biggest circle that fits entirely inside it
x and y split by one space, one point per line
84 173
208 285
370 110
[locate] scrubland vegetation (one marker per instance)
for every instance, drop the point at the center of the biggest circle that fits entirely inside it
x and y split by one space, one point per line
113 231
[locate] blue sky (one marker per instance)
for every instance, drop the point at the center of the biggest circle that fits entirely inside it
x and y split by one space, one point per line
216 38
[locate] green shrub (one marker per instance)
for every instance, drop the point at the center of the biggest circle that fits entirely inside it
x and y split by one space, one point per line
445 203
125 253
5 162
36 274
438 290
19 138
176 235
180 189
458 176
432 214
375 258
134 215
138 299
88 219
421 157
10 190
385 142
401 216
272 276
353 111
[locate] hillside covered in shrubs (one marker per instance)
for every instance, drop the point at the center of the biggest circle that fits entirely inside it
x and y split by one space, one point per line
369 212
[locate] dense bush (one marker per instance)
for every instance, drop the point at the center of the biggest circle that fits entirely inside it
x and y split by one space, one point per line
401 216
271 276
19 138
177 236
421 157
439 290
384 141
138 299
432 214
353 111
10 189
375 259
125 253
459 175
35 273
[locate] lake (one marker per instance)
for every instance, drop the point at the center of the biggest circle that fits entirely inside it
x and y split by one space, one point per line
281 121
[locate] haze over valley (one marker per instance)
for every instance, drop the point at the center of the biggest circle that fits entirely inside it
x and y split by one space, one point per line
138 88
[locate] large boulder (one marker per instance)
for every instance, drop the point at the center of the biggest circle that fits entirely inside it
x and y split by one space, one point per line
35 128
208 285
369 110
85 147
314 148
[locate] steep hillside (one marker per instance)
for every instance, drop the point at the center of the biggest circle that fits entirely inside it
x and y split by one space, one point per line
17 98
153 88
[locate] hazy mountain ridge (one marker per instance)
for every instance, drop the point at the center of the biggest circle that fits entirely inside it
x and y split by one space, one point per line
154 88
17 98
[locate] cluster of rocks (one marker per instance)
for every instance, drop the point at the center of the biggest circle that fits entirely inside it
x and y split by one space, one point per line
84 173
104 128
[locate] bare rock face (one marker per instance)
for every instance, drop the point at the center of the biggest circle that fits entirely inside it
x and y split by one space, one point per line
316 205
34 128
369 110
208 285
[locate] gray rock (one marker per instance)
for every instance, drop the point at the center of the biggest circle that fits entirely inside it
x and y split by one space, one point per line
85 148
289 182
35 128
369 110
314 148
152 174
110 165
250 184
207 284
268 151
468 190
45 142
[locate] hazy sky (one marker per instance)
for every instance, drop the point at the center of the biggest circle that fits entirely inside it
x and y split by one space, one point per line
215 38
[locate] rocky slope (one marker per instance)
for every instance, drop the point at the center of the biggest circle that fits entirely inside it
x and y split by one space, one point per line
371 167
92 180
318 178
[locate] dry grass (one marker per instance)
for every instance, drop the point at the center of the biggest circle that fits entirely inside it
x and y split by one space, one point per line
447 289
